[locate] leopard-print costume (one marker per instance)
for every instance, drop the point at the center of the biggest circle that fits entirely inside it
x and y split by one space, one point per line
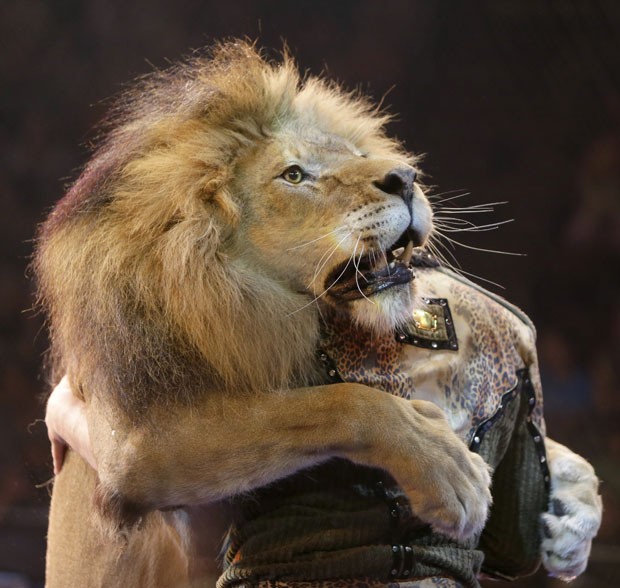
473 355
494 342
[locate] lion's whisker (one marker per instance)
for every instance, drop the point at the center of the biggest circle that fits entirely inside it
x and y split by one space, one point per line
477 277
447 219
324 260
387 263
468 227
451 224
316 298
434 248
356 263
458 270
373 257
460 195
473 208
314 240
454 220
463 211
473 248
436 242
357 270
320 265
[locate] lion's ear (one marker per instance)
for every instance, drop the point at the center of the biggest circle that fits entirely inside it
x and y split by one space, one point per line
225 202
213 189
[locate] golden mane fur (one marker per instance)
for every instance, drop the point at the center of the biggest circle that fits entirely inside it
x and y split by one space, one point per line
137 265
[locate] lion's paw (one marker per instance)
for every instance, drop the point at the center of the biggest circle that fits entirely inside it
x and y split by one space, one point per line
574 516
465 499
447 485
453 493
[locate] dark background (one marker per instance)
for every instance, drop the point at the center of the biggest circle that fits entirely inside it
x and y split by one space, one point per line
510 100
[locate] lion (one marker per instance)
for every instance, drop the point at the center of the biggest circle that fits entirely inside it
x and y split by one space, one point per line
185 275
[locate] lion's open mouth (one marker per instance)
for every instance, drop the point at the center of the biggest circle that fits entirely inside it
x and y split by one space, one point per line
375 272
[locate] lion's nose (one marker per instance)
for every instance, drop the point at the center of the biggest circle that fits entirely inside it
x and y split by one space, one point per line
398 182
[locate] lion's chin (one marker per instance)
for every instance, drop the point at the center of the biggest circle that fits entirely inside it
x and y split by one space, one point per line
385 311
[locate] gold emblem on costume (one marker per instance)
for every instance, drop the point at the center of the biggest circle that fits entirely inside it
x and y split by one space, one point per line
424 320
430 327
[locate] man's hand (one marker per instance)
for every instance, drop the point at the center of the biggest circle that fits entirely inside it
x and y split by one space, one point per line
65 418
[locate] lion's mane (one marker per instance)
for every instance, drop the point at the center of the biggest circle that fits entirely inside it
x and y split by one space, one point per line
137 267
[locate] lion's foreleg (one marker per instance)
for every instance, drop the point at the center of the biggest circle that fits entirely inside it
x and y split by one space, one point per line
574 515
228 446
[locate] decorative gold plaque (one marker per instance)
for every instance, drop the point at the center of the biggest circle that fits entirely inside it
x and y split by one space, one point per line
431 326
424 320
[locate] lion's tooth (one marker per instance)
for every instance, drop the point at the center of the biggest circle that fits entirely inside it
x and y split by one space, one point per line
398 251
407 253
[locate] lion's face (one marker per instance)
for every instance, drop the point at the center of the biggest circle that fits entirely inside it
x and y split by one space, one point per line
334 222
230 198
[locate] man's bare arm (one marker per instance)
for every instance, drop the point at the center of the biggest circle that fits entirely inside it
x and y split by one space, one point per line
67 426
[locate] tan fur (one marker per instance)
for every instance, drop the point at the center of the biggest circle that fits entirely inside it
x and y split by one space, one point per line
179 275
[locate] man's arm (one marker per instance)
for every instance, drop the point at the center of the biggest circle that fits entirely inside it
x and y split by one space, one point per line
67 426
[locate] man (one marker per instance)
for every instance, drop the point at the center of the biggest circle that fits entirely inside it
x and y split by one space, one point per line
472 354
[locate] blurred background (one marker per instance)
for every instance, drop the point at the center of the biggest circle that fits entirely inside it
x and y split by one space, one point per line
509 100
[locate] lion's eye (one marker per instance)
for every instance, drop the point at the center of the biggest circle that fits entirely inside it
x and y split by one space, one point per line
293 174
